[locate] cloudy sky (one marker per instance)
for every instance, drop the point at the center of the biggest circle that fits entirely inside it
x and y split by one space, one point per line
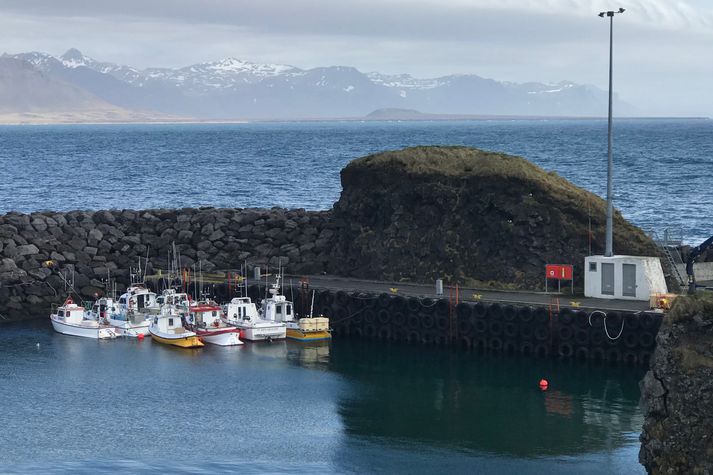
663 48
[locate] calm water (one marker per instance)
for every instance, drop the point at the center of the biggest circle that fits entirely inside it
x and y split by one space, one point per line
663 168
76 405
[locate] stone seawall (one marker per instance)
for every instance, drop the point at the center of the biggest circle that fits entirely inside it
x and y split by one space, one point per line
92 243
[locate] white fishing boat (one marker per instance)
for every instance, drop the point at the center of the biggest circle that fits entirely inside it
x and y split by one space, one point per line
72 319
205 320
242 313
133 311
167 328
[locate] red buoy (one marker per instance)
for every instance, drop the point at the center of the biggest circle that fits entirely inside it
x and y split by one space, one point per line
544 384
140 336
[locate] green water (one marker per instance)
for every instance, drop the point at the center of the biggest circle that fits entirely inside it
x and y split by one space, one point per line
81 406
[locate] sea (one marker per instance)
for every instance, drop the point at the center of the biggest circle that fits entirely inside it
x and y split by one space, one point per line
71 405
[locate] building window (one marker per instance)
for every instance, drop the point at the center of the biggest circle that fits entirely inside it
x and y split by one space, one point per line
592 267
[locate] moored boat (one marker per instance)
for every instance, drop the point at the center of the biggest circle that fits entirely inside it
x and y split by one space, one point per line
72 319
167 328
204 319
242 313
309 328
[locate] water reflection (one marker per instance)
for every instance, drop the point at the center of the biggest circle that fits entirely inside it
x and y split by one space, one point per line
484 403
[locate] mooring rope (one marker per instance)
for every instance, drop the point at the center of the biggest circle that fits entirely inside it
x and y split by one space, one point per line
606 330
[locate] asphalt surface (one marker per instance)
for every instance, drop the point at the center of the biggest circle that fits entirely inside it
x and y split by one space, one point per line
464 293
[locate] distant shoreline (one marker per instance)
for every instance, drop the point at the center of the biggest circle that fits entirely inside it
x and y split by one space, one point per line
423 118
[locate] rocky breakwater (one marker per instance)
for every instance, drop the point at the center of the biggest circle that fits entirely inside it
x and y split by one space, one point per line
86 245
467 215
677 392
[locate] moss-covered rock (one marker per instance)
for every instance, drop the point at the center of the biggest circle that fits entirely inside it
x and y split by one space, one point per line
468 215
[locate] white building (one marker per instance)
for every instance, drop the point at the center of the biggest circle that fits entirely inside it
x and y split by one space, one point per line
623 277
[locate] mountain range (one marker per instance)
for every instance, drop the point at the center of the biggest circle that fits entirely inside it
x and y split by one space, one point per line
232 89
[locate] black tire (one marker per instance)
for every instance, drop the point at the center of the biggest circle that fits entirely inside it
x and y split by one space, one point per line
597 319
440 340
495 312
397 304
644 358
427 306
527 348
525 315
542 333
441 322
465 328
613 322
581 319
479 343
646 321
384 333
646 340
597 354
370 316
581 353
509 313
428 338
597 337
441 307
495 328
630 340
581 337
565 333
629 357
479 310
613 355
632 321
527 332
511 330
463 310
383 300
341 298
565 350
541 315
413 305
566 316
413 322
383 316
370 331
399 319
427 321
495 343
413 336
480 326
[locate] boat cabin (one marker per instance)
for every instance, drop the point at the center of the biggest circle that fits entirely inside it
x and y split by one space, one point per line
169 323
205 315
71 312
241 308
277 309
104 307
171 297
139 299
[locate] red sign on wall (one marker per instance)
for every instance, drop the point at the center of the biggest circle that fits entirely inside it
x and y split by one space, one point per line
558 271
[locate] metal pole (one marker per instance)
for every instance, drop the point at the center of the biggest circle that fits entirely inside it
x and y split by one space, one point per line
610 163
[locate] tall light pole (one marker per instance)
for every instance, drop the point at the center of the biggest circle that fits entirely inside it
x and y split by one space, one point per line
610 165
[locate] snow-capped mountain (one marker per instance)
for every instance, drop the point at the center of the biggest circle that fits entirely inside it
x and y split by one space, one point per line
232 88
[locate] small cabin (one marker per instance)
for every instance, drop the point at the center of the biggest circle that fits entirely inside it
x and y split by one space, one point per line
241 308
169 324
205 315
278 309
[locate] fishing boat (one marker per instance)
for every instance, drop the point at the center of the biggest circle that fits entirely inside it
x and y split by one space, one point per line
242 313
132 313
278 309
167 328
72 319
205 320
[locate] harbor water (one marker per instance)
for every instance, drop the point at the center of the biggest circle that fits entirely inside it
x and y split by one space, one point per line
75 405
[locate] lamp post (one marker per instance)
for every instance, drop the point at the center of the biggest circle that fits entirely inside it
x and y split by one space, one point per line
610 164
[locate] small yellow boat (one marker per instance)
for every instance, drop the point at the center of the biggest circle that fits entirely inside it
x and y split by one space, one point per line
168 329
309 329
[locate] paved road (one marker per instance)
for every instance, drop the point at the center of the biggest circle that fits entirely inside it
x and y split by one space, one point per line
469 294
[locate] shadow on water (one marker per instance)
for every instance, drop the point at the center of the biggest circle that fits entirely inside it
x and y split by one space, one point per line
485 403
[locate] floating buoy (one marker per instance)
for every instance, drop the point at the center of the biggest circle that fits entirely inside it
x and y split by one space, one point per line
140 336
544 384
38 345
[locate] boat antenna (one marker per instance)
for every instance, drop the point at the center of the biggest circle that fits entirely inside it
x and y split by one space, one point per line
146 269
311 308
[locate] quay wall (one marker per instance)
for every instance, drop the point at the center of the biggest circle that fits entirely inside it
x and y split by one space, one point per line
614 337
86 245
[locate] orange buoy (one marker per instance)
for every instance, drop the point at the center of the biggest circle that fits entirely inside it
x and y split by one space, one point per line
544 384
140 336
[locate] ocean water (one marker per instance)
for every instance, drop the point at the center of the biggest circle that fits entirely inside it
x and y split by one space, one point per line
74 405
663 168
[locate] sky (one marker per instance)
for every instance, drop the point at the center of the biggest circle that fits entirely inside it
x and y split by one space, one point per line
663 49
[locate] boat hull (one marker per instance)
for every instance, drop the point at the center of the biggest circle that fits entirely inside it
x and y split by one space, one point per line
181 341
296 334
125 328
221 337
98 333
277 332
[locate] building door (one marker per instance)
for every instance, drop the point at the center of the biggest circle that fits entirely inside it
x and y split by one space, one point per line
629 280
607 279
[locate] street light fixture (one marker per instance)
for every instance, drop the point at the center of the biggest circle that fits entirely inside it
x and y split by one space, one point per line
610 165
